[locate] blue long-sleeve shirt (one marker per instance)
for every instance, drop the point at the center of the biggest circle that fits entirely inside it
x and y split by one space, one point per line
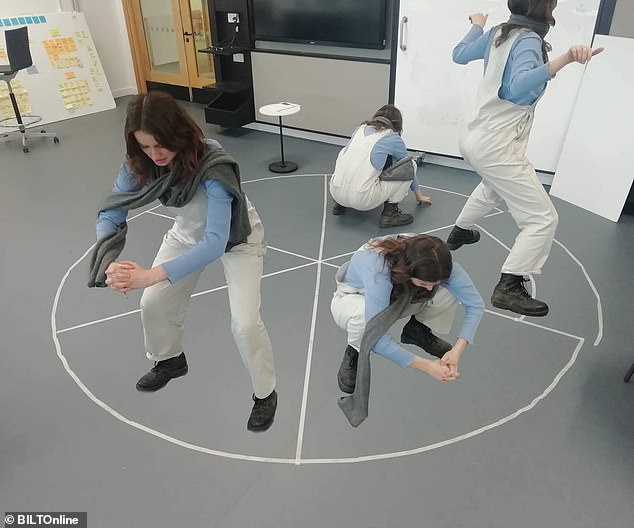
525 75
208 249
369 270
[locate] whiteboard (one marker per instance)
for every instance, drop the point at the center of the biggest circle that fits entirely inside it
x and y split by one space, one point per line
597 162
436 95
66 79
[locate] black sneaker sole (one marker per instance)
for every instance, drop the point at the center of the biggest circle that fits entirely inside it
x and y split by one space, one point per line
453 247
386 226
261 428
537 313
408 340
411 341
154 388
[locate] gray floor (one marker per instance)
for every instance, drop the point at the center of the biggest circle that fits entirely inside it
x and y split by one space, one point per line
539 430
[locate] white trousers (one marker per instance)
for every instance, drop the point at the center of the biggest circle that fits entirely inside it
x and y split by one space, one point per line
348 310
510 177
375 195
164 305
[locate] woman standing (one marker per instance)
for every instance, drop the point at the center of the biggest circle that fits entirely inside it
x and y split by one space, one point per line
517 70
169 159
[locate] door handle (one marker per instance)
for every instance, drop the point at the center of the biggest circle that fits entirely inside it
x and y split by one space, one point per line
401 29
194 34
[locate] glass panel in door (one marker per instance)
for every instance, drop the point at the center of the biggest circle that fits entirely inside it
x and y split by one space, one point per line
202 39
162 38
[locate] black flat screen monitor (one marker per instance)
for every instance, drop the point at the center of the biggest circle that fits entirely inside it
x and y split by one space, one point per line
351 23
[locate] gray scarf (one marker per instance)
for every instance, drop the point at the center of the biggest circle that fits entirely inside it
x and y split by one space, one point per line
355 406
165 186
541 28
402 170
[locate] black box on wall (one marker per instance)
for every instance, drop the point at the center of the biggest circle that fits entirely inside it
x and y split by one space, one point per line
231 97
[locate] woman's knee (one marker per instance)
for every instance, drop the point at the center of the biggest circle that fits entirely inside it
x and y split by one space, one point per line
245 327
548 221
150 301
554 218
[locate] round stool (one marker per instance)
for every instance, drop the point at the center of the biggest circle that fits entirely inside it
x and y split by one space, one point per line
278 110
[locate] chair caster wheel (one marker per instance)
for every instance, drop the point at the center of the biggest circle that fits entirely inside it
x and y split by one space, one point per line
56 140
25 149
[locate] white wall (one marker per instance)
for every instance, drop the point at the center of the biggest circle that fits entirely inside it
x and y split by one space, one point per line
326 106
32 7
108 30
107 27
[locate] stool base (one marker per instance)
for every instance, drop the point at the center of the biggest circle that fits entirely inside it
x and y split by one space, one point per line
287 166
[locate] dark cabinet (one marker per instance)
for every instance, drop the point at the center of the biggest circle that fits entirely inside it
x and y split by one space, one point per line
230 98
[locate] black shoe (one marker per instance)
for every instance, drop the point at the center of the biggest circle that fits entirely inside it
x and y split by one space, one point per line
347 375
338 209
162 372
392 216
416 333
458 237
510 294
263 413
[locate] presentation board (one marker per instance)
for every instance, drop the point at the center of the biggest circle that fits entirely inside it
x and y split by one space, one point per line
597 161
66 79
436 95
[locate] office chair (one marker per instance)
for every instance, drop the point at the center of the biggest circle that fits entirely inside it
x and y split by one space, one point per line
19 55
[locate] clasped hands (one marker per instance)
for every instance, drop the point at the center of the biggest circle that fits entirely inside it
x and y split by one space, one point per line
449 362
125 275
444 369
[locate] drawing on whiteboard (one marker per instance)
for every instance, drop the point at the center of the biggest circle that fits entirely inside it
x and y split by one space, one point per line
21 94
62 53
75 94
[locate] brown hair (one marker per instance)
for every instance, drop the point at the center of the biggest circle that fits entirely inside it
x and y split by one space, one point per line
391 113
423 257
539 10
158 114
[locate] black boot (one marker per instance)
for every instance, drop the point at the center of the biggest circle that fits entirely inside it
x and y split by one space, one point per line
263 413
392 216
459 237
338 209
162 372
416 333
510 294
347 375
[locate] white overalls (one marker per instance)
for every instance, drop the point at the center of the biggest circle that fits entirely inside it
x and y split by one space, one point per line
355 182
494 143
348 309
164 305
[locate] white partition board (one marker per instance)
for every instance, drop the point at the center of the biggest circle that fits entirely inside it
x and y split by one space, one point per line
596 169
436 95
66 79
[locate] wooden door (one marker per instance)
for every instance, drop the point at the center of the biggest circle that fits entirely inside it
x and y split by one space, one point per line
165 36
